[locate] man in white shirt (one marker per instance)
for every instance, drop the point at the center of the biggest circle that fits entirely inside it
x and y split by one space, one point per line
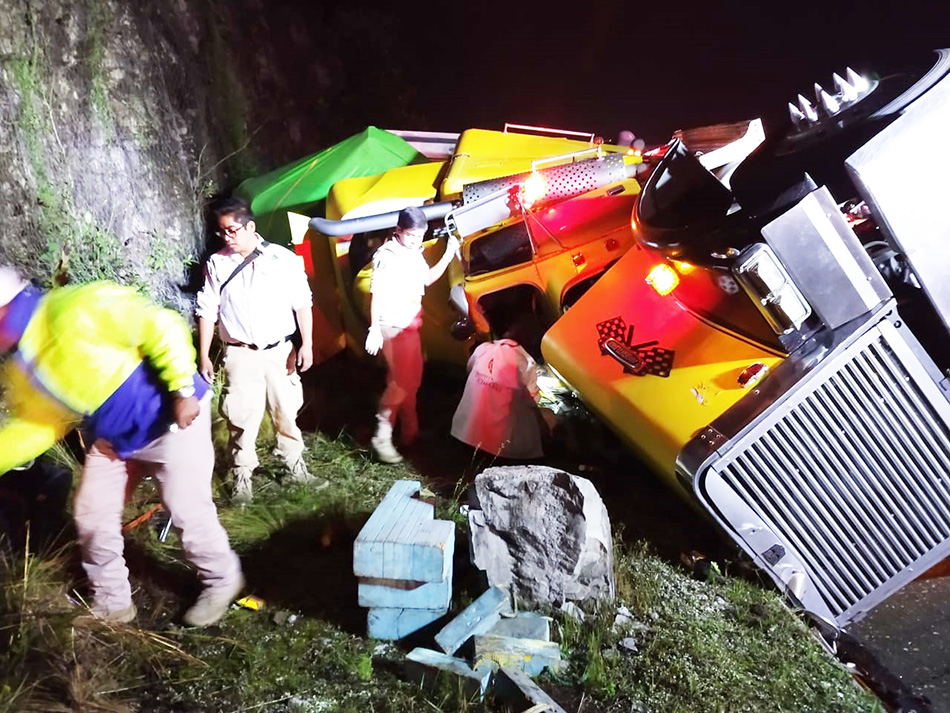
259 296
400 278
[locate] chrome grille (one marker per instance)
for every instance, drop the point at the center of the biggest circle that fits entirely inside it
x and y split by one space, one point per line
853 473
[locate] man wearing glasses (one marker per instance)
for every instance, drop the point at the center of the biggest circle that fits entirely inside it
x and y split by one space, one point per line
258 295
400 278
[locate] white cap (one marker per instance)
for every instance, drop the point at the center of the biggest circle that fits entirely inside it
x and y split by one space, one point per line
11 284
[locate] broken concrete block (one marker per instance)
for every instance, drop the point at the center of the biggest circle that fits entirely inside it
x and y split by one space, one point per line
424 666
403 594
401 540
392 624
515 686
525 625
477 618
542 533
529 655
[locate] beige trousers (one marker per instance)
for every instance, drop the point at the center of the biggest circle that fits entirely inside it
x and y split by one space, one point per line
254 379
181 461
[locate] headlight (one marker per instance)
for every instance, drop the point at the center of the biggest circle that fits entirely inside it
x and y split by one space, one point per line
765 280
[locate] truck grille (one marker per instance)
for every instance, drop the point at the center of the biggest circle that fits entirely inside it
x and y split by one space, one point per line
853 474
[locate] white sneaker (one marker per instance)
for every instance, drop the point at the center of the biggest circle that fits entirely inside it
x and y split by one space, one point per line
300 474
241 493
96 616
213 603
385 450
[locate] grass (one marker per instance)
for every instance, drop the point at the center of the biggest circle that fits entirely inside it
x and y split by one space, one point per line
699 646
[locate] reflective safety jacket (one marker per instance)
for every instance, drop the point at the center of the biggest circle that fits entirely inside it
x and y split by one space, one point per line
97 354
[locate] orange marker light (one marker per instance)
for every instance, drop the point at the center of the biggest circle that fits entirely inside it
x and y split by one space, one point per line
683 268
663 279
532 190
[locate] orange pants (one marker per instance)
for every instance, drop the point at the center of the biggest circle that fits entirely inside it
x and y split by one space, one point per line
402 350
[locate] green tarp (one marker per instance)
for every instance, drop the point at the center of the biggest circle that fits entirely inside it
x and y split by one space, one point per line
302 185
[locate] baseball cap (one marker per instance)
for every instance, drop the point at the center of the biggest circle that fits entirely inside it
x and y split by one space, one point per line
412 218
11 284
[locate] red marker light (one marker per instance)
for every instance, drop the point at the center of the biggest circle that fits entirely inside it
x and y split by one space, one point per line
663 279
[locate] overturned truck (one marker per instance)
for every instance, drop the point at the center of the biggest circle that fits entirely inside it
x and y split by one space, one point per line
777 347
769 332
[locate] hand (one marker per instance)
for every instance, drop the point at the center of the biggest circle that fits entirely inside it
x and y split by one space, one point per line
206 369
186 410
452 245
304 357
374 341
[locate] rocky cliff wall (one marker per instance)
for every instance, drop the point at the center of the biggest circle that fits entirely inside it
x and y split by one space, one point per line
119 118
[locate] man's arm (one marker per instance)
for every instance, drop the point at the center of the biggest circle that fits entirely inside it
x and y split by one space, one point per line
205 335
436 271
35 423
374 338
208 305
305 352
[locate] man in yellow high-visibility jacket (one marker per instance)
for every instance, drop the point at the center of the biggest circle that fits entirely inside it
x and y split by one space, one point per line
103 357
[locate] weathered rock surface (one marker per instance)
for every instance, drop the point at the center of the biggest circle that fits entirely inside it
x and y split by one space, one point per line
543 533
118 120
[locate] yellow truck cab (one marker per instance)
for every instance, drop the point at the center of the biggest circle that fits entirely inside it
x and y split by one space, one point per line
533 255
777 344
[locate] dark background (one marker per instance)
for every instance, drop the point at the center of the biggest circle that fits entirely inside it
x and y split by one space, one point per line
648 67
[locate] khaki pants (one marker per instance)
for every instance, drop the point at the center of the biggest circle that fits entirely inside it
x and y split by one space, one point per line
255 379
402 350
181 461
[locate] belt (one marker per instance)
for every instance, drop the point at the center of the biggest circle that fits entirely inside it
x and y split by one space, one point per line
255 348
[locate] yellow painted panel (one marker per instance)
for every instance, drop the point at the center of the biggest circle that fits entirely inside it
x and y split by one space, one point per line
481 154
398 186
657 416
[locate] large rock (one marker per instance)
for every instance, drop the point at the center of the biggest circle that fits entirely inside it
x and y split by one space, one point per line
543 533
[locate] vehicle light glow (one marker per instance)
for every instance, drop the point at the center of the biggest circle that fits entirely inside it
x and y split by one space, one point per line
663 279
532 190
683 268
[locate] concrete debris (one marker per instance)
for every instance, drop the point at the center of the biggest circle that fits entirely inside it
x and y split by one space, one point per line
515 686
403 560
524 625
529 655
477 618
542 533
425 665
629 643
573 611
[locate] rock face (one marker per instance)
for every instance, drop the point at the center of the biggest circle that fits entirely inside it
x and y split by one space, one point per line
119 119
543 533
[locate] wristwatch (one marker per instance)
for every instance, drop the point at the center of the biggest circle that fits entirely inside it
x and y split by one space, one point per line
186 392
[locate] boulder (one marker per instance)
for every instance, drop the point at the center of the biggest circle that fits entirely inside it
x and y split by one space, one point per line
542 533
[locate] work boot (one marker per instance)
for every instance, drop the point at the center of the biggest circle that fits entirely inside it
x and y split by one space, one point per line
385 450
101 616
241 493
213 603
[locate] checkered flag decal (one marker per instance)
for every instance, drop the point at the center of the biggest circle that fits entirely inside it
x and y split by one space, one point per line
614 328
654 360
659 361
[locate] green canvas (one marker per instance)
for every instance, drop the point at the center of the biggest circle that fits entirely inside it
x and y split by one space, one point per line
302 186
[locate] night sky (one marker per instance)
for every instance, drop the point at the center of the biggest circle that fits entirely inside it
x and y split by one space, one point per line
608 65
